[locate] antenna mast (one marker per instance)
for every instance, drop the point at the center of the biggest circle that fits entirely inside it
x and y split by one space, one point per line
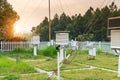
49 26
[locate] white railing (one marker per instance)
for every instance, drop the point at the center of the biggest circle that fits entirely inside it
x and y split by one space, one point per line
103 46
9 46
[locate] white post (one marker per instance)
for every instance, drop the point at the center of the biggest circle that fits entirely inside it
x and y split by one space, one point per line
9 46
94 51
58 67
1 45
91 52
119 66
48 44
12 46
35 50
61 54
100 45
51 42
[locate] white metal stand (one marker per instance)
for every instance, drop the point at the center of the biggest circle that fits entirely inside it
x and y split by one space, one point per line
58 67
61 57
61 54
119 66
35 51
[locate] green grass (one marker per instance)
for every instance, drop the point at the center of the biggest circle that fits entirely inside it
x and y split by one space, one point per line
28 53
51 64
50 51
8 66
108 61
41 76
22 55
45 64
94 74
102 60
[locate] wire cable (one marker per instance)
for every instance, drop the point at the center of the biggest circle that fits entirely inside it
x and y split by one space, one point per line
61 5
97 17
57 7
87 30
33 12
67 7
90 27
25 6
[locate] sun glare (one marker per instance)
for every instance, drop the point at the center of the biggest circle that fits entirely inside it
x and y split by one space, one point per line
17 28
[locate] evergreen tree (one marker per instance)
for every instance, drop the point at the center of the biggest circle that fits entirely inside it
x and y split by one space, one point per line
42 30
91 26
54 25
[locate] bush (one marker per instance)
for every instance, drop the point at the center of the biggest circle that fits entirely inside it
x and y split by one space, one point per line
29 50
50 51
84 51
19 49
99 51
24 50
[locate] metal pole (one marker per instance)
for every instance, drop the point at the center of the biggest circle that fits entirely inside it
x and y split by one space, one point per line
58 69
49 26
35 50
119 66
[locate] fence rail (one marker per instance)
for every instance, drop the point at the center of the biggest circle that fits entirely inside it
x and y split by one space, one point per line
103 46
9 46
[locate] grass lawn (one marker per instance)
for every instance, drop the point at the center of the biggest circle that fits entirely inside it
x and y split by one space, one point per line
51 64
8 66
94 74
108 61
40 76
22 55
102 60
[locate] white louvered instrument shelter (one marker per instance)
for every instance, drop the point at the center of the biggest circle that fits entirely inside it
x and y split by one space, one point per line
62 37
115 39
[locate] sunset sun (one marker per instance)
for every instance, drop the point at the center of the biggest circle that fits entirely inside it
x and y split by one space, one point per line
17 28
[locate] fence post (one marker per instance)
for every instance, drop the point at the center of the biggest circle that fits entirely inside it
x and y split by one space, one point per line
1 45
58 65
8 46
100 43
35 50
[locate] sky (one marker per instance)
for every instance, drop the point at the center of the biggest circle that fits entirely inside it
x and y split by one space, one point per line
32 12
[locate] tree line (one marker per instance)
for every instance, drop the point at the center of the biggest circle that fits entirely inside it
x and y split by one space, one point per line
8 17
90 26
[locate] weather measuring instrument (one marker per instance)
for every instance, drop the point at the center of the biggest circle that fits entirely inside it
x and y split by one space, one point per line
114 30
